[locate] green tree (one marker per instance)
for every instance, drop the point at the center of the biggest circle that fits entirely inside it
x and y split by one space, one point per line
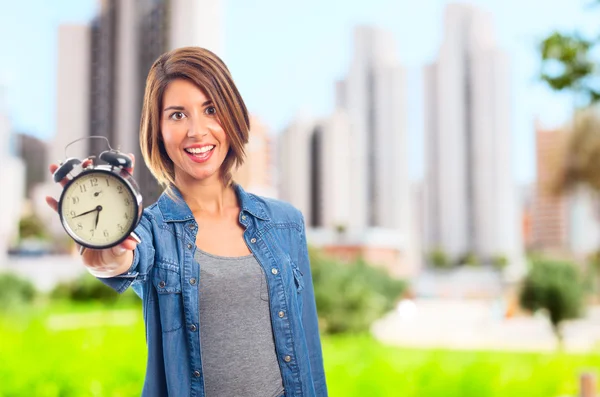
556 287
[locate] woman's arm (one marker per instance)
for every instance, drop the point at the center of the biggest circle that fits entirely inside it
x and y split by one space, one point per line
310 318
140 259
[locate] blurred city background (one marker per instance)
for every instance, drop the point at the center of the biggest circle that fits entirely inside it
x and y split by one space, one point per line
446 157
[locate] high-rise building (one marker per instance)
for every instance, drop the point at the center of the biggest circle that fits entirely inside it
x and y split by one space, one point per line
294 165
549 222
470 191
373 96
314 165
33 152
256 174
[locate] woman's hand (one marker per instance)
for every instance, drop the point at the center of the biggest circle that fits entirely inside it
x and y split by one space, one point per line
107 262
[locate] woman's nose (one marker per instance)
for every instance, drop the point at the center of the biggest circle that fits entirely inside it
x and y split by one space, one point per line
197 128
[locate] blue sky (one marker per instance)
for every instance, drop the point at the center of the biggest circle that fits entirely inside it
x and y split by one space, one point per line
286 56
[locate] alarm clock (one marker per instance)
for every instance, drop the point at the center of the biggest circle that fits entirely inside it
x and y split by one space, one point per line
101 205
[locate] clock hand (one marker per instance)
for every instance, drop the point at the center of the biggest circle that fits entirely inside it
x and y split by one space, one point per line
85 213
97 217
98 208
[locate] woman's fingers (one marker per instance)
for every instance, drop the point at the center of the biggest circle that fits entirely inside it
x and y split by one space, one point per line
130 170
52 203
53 168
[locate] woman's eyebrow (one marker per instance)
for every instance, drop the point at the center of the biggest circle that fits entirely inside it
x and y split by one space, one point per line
174 108
180 108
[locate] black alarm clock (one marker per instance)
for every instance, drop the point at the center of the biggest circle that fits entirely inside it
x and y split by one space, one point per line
102 204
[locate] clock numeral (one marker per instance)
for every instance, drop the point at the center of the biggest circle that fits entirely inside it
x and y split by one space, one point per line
93 182
72 213
121 228
75 200
79 226
127 216
82 188
92 232
127 202
105 233
120 189
107 184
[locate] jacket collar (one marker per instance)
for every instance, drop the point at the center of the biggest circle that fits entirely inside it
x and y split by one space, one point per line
177 210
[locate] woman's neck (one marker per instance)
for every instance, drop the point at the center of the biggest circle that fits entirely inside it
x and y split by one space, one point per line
207 196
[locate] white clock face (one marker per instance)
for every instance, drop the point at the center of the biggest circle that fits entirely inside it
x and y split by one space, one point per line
98 208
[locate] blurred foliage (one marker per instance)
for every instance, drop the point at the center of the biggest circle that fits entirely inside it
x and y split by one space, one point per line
88 288
15 292
32 227
569 64
556 287
579 165
108 359
351 296
499 261
439 259
468 259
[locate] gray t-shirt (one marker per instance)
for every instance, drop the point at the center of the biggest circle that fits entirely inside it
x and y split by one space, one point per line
238 351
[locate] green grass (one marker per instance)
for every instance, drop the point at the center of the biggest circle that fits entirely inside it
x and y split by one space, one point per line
102 352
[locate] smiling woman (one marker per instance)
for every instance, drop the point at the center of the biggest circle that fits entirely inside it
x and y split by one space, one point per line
188 95
224 275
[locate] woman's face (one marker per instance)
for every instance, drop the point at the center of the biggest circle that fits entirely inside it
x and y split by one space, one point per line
192 133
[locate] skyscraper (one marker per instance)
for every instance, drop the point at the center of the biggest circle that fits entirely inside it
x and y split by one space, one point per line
315 173
347 172
470 192
373 96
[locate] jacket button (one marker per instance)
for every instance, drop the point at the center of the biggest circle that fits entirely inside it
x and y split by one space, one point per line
274 271
193 328
243 217
197 374
281 314
287 359
162 284
189 246
191 226
193 281
253 240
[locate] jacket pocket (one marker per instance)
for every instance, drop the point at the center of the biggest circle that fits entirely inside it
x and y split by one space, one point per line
167 283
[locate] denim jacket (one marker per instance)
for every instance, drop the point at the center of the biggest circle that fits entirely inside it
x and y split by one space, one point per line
166 276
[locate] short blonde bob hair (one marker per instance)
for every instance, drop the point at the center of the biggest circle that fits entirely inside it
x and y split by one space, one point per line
208 72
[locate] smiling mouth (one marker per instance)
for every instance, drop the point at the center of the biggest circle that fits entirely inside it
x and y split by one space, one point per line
200 152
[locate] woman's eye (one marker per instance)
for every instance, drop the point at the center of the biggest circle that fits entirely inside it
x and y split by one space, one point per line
211 110
177 116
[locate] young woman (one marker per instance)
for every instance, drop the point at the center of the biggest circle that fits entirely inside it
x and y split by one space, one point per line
224 275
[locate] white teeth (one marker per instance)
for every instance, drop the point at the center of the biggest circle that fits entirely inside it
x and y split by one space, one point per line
204 149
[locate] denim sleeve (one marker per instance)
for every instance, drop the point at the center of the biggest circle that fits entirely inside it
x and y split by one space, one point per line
310 319
143 257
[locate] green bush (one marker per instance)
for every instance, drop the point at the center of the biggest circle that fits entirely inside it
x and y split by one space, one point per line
32 227
88 288
351 296
15 291
439 259
556 287
499 261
